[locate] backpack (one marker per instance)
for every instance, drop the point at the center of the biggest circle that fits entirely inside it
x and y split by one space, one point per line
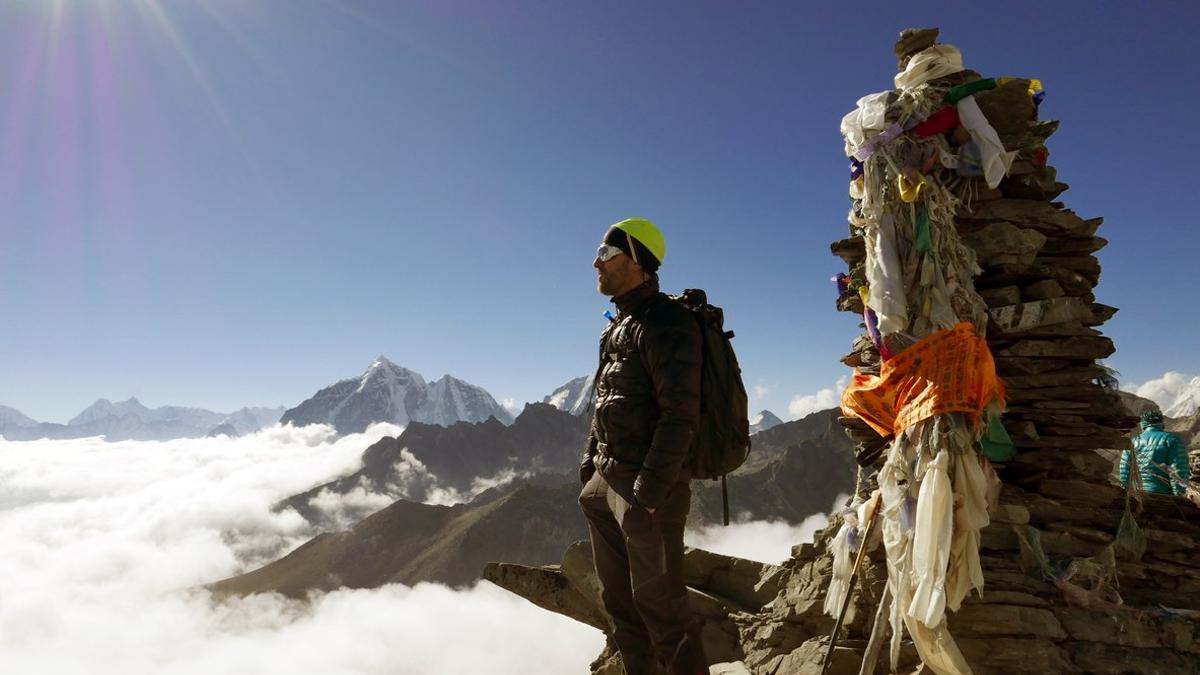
722 440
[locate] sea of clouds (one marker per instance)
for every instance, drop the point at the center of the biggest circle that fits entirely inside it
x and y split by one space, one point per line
762 540
107 546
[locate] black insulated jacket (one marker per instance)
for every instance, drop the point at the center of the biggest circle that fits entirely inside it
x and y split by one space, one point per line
647 393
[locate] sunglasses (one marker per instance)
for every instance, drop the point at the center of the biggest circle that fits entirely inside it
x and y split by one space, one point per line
607 252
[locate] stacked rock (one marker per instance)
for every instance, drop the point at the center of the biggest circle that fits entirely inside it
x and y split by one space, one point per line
1037 277
1064 538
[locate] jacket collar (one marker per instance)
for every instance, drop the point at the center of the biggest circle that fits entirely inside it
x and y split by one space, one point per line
633 299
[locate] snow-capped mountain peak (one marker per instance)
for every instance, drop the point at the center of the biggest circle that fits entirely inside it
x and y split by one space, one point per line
451 400
15 418
764 420
132 420
574 397
386 392
250 419
395 378
104 408
1187 401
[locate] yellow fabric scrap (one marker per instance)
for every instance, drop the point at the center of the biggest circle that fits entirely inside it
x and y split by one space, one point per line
1035 85
912 186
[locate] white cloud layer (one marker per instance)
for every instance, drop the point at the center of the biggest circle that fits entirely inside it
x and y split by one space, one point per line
1175 393
410 479
106 545
802 405
761 540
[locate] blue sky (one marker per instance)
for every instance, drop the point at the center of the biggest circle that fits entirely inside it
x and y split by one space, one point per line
222 203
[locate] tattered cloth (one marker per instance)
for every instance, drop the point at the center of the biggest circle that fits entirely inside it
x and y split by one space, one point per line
948 371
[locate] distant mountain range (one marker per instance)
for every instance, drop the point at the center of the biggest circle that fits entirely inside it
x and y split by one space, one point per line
130 420
796 469
429 462
576 397
386 392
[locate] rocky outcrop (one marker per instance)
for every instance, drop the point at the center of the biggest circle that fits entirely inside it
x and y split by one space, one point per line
723 592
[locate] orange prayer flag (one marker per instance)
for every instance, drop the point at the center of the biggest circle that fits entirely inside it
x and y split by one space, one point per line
949 371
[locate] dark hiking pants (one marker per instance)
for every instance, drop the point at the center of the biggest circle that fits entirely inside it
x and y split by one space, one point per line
639 560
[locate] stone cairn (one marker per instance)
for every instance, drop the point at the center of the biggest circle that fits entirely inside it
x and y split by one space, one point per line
1076 575
1080 575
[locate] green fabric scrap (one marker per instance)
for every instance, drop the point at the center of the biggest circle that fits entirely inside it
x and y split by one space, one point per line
922 237
995 443
1130 537
956 94
1032 559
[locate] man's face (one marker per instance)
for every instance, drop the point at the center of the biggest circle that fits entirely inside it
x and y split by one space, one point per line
616 275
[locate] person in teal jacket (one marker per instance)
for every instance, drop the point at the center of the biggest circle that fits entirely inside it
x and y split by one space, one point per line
1156 448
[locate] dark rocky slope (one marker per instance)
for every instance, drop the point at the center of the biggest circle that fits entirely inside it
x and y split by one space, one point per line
798 469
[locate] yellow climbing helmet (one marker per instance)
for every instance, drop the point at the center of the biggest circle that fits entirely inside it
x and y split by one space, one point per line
646 233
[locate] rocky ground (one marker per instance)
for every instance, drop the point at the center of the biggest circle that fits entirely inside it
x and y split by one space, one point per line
1032 617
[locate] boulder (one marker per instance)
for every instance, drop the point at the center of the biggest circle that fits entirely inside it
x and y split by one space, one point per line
1082 348
1042 290
1039 215
1005 243
994 620
999 297
548 588
1027 316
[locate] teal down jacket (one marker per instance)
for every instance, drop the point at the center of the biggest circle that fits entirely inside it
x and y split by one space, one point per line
1157 447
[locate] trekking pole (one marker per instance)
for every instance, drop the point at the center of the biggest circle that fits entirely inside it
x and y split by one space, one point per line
724 500
862 553
875 643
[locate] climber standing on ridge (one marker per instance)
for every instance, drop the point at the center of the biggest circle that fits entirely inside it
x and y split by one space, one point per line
1156 448
636 494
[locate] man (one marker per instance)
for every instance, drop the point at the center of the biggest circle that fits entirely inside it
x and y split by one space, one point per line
635 471
1156 448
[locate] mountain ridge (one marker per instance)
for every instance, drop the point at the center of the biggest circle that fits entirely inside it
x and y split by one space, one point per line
386 392
799 468
429 461
132 420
